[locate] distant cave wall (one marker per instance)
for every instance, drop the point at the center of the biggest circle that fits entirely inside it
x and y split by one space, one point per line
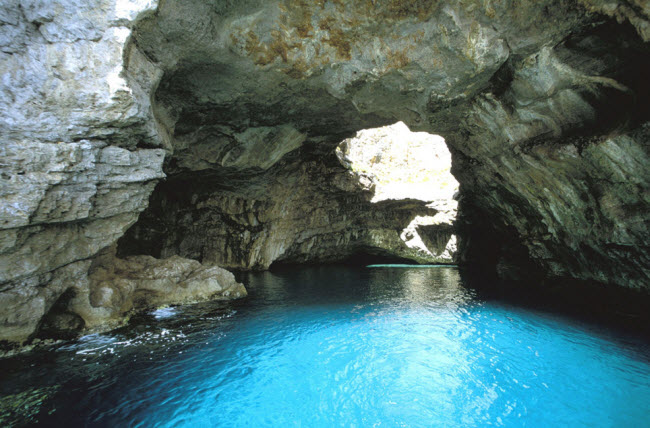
304 209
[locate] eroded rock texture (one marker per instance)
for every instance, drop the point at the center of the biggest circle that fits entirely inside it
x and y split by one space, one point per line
563 162
542 103
300 211
309 207
78 151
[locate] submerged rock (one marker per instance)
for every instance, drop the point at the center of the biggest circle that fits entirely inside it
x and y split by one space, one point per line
105 294
23 408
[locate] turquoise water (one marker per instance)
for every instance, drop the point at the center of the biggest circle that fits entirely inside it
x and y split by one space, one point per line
339 346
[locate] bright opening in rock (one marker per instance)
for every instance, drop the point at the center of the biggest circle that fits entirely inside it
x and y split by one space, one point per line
399 165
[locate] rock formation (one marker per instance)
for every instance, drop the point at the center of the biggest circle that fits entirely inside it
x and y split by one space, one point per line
310 207
543 105
78 155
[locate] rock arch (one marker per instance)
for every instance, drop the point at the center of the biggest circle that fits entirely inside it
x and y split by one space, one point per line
542 103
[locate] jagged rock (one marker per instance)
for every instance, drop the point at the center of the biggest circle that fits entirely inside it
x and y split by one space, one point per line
28 301
78 157
554 172
75 300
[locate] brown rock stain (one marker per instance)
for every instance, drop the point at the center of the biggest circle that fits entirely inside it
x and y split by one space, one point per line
279 46
401 9
327 23
339 41
252 41
299 69
305 30
398 59
298 19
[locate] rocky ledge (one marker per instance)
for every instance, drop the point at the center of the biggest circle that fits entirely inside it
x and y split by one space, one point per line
116 288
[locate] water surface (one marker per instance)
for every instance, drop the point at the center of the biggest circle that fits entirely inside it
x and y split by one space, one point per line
339 346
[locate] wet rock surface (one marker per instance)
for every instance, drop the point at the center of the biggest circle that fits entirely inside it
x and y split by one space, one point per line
121 286
562 163
241 105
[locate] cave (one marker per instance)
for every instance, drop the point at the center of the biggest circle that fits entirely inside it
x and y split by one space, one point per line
173 153
385 194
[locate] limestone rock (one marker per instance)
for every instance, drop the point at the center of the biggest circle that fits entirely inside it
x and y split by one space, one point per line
560 174
74 301
78 159
117 287
29 301
61 204
543 105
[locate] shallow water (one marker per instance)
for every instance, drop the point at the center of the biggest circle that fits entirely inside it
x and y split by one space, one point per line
339 346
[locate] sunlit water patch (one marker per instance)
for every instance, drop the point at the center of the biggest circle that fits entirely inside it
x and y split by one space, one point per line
164 313
321 347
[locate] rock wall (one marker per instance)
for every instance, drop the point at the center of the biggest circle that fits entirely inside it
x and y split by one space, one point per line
560 173
542 103
307 208
79 156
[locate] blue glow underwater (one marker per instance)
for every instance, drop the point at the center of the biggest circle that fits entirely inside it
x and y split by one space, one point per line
339 346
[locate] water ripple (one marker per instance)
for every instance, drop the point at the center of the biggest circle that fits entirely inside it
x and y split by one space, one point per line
346 347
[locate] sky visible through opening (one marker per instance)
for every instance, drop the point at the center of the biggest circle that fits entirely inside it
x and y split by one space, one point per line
403 164
410 165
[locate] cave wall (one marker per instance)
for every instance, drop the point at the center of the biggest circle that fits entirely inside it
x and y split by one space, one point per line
556 164
543 104
307 208
78 152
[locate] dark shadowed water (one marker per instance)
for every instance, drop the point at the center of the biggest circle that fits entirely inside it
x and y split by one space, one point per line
339 346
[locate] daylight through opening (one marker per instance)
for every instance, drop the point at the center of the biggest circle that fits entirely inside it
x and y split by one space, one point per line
398 164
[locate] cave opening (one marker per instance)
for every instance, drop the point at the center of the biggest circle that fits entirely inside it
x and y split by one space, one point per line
257 173
401 165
